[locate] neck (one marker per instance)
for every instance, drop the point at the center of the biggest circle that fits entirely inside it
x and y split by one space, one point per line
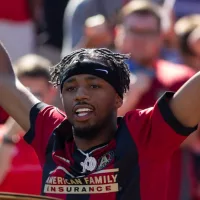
103 136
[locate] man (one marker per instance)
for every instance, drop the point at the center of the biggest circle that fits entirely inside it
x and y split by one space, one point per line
140 32
90 154
18 163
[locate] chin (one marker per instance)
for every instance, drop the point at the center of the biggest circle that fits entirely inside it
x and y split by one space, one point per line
86 131
82 125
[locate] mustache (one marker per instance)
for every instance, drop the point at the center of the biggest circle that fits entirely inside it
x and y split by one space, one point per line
80 103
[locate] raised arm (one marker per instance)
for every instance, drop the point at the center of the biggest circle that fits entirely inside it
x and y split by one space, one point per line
14 97
185 104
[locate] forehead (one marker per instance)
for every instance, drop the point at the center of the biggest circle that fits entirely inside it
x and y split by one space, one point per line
83 77
137 20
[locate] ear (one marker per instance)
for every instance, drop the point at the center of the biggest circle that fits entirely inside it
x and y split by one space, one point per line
118 101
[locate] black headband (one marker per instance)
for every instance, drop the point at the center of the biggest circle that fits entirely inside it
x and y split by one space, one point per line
93 68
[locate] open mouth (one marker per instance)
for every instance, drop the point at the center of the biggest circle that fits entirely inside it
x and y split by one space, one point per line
83 114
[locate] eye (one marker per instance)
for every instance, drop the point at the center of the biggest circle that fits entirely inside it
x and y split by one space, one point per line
94 86
70 89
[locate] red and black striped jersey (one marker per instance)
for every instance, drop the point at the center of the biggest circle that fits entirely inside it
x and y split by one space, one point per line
133 165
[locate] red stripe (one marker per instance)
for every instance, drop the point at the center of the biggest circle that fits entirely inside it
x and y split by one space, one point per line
104 196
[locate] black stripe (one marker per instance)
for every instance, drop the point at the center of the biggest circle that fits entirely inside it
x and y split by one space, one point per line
170 119
29 136
55 143
49 165
126 159
196 165
78 158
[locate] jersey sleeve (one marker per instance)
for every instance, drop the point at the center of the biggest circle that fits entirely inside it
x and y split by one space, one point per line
43 119
156 131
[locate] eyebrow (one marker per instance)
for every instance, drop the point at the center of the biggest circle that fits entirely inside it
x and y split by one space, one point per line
92 78
70 80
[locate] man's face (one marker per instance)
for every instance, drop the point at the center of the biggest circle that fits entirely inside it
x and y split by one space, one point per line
40 87
139 35
90 104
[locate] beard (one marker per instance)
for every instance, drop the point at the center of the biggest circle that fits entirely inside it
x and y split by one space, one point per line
90 132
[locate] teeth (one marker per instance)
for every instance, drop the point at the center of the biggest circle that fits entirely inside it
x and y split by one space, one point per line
82 114
83 110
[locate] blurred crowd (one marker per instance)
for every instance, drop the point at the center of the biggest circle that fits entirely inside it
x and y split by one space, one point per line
162 37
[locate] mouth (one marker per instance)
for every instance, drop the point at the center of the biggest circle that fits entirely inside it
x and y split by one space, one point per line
83 113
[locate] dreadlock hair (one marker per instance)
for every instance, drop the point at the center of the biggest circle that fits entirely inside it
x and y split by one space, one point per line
115 61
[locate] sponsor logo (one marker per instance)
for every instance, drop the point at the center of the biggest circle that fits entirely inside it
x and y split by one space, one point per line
105 160
104 181
103 70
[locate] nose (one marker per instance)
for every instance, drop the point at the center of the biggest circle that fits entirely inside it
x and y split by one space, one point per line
81 94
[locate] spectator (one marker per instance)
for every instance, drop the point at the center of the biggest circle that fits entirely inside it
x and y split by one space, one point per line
17 25
140 33
20 170
76 14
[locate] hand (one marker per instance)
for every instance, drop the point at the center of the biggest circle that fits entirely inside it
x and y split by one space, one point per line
10 129
140 83
97 31
6 156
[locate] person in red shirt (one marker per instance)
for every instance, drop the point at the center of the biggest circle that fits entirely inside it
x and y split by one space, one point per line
140 32
20 17
19 164
90 153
